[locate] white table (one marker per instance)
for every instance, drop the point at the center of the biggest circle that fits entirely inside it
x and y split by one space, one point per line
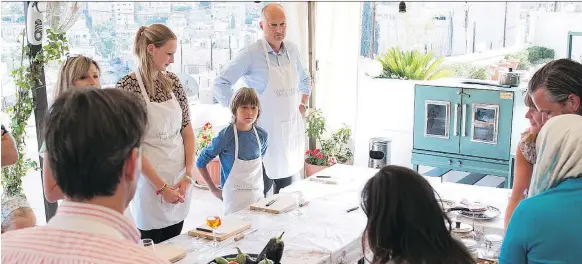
325 233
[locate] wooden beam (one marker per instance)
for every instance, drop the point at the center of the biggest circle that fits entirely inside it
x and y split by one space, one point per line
311 12
40 109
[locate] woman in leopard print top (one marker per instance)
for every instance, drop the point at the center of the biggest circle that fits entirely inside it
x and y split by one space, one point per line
162 199
525 158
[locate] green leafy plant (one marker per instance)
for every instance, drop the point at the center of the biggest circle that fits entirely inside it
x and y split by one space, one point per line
315 124
521 59
26 77
470 71
537 54
411 65
334 149
336 146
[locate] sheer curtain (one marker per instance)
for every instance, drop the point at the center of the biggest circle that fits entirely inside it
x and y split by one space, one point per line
297 31
337 45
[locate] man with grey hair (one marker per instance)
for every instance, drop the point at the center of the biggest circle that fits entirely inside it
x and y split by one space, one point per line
556 88
273 67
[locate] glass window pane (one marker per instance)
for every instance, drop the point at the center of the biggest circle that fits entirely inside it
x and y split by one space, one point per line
437 119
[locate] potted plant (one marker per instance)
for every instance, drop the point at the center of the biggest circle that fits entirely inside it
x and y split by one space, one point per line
331 151
203 138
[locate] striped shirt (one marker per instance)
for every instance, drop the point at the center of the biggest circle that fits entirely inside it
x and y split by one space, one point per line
78 233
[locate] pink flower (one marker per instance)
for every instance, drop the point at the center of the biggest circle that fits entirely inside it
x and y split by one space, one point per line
320 155
308 152
316 151
331 160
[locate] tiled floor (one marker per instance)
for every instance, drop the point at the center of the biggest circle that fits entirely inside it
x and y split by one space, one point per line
455 176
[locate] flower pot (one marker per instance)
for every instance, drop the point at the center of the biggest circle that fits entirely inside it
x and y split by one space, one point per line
214 170
312 169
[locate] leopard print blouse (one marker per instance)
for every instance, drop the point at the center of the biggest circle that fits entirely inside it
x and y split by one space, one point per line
527 146
131 84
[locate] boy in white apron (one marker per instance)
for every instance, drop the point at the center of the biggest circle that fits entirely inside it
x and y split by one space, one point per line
240 147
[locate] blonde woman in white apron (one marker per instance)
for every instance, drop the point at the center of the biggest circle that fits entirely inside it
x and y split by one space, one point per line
162 199
240 147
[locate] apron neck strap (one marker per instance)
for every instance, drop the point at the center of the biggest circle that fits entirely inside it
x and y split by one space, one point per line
141 86
266 54
235 131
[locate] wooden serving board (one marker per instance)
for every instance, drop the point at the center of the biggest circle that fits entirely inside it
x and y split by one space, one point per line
230 227
284 203
169 252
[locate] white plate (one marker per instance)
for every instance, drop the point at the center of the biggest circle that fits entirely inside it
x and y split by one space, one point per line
491 213
465 228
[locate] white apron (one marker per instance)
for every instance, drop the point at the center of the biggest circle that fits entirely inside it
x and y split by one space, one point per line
244 185
281 118
164 148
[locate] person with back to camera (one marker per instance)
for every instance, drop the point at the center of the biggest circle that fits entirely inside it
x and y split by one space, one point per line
406 224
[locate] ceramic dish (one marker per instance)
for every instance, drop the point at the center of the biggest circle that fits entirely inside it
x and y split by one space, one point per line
490 213
446 204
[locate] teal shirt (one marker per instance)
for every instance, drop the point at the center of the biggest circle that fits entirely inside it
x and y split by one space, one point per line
546 228
42 149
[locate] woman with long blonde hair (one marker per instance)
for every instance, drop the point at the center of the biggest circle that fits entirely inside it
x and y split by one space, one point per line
162 199
76 71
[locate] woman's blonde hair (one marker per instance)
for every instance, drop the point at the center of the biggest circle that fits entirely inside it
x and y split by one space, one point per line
244 96
158 35
529 137
18 213
72 70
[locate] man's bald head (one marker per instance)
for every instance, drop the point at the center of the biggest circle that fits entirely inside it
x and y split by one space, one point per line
270 8
274 24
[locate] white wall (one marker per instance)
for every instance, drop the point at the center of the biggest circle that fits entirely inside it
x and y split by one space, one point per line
550 30
385 109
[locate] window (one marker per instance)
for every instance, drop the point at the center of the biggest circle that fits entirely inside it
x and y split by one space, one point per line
209 34
459 28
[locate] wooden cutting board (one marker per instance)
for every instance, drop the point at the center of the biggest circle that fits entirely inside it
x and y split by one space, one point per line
285 202
231 226
169 252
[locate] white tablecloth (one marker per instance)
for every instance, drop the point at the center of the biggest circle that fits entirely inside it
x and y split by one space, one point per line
325 233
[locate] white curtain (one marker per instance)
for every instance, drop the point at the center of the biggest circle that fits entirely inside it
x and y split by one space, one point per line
297 31
337 46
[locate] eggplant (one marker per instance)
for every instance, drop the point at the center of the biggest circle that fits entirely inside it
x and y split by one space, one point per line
266 261
250 260
240 257
273 250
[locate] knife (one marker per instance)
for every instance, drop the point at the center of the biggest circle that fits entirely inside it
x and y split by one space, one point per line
241 236
272 202
208 230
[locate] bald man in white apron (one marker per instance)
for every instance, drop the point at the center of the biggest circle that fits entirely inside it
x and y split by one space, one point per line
274 69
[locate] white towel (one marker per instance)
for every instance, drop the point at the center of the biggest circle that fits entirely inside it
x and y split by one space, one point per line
559 151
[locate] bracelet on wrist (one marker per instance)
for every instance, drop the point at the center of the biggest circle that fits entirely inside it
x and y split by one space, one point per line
159 191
